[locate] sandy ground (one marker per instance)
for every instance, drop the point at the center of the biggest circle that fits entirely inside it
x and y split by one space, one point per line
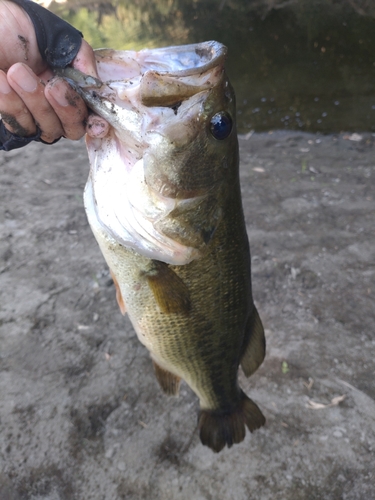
81 414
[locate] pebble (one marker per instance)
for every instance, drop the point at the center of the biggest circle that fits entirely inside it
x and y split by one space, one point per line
109 453
121 466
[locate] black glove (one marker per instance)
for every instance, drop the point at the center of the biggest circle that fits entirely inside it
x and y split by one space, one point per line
58 41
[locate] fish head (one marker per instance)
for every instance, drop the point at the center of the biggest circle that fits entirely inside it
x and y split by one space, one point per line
158 178
190 151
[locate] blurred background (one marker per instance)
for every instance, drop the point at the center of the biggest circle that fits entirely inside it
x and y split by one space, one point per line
295 64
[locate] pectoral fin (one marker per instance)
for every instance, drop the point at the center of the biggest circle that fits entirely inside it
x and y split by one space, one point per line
168 382
120 300
255 348
170 292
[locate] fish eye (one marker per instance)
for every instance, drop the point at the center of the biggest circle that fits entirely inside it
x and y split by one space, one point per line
221 125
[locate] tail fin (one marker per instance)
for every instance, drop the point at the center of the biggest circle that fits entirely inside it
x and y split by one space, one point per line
218 428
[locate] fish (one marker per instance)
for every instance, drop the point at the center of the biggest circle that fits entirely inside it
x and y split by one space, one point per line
164 203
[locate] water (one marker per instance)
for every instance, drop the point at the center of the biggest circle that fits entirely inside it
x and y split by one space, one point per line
310 66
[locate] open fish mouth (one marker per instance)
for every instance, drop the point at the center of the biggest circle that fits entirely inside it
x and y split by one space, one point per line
156 103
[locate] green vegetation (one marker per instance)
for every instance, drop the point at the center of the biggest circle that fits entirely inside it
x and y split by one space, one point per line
294 64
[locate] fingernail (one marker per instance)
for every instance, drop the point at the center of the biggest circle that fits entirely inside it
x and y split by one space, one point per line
59 92
5 88
26 79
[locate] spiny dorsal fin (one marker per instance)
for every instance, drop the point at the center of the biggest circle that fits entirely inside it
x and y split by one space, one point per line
168 382
255 349
170 292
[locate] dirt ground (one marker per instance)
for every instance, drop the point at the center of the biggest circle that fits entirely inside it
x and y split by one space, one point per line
81 414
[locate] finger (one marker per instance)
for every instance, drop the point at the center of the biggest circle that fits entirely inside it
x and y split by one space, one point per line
68 106
97 127
15 115
85 60
30 89
18 38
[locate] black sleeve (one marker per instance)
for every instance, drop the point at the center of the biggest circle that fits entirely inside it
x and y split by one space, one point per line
58 41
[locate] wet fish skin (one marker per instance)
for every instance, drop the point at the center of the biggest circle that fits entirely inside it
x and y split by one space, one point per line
197 319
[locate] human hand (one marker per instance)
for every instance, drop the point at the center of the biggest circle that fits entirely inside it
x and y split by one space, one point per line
30 95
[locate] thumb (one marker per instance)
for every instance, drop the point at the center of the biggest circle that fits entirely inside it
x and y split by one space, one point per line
85 60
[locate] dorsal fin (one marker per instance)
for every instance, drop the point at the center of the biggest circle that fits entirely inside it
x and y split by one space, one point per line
255 348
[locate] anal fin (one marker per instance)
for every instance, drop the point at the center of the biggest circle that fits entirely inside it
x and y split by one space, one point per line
170 292
255 349
168 382
120 300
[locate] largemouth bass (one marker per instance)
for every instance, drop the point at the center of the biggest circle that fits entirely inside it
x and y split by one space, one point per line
163 200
